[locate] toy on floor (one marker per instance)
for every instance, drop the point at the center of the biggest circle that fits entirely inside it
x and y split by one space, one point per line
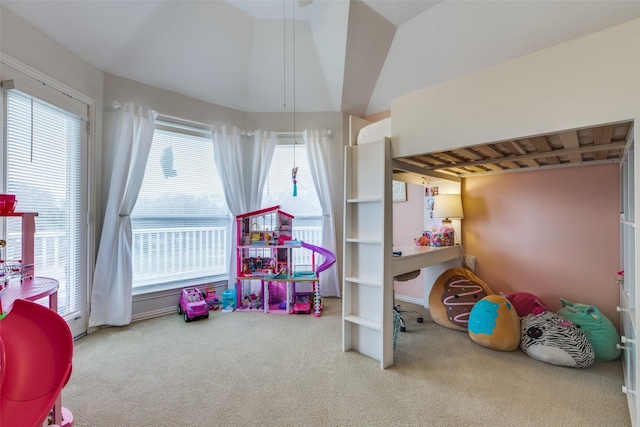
192 304
453 295
301 305
212 299
526 303
551 338
494 323
601 333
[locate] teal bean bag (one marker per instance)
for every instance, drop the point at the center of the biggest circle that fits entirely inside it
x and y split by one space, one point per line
601 333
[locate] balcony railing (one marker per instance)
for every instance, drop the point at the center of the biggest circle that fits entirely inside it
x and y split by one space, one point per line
161 255
169 254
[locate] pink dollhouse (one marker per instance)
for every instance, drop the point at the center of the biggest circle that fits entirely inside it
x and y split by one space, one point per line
260 249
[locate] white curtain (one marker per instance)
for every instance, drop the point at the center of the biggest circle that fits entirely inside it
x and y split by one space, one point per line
243 164
318 156
261 154
113 275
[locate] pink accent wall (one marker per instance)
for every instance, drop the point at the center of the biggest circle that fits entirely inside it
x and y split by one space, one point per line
553 233
408 222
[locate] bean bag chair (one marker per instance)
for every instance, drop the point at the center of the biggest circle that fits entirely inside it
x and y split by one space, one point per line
551 338
599 330
453 295
525 303
494 323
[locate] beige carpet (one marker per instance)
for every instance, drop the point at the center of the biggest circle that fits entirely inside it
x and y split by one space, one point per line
252 369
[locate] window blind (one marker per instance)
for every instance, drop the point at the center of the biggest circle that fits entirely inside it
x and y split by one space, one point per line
44 169
181 220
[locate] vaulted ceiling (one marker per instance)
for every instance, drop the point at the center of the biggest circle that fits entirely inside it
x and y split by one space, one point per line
353 56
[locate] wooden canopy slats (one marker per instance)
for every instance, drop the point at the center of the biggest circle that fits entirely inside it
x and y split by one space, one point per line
468 154
602 136
603 143
529 158
570 140
542 145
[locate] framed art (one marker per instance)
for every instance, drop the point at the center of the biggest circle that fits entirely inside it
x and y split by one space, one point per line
399 191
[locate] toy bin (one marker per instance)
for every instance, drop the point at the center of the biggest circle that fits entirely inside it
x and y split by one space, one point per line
229 300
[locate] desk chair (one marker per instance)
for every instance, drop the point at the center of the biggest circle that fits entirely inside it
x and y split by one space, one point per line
397 310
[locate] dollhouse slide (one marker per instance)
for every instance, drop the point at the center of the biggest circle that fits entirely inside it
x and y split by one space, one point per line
36 349
329 260
329 257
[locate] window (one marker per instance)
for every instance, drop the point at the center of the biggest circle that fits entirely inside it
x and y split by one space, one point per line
181 221
45 169
305 207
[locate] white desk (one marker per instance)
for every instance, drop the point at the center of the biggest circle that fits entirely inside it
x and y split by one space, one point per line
417 257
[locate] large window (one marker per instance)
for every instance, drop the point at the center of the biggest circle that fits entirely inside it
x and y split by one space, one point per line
181 221
305 207
45 168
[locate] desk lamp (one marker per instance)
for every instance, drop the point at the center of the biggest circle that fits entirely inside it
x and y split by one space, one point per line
447 207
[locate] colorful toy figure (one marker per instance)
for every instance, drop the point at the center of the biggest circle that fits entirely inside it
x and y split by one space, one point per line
294 174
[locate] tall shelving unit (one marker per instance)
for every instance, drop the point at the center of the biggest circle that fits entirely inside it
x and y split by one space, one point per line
367 323
628 294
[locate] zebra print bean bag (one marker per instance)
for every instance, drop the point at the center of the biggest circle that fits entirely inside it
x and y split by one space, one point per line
551 338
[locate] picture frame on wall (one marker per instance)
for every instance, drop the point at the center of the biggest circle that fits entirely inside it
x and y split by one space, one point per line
399 193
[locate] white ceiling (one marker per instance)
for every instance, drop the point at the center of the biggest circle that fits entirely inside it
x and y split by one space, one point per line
352 56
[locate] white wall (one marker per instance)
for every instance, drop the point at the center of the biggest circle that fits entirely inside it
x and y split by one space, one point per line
455 38
591 80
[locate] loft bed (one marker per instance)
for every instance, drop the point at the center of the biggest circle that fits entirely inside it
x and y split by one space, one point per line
562 106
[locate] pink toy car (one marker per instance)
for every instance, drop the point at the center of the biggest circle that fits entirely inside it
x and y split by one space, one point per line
302 304
192 304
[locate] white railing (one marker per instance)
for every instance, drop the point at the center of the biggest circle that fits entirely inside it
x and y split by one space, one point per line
168 254
181 253
311 235
51 256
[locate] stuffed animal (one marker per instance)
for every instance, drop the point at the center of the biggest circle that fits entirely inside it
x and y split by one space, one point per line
551 338
453 295
601 333
526 303
494 323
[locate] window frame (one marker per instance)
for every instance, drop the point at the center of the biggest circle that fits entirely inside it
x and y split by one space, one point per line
187 128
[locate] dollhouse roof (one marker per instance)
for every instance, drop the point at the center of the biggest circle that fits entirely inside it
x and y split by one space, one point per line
272 209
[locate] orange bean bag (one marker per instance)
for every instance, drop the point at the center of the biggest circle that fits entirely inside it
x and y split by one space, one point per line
453 295
494 323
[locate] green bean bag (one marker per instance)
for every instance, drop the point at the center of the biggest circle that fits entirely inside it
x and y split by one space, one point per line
599 330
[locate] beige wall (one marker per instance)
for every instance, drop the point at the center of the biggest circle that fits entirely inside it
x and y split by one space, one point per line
552 233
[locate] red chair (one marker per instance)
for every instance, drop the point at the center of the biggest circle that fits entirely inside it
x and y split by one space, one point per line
36 349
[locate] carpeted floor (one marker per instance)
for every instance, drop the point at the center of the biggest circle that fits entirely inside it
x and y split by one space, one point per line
252 369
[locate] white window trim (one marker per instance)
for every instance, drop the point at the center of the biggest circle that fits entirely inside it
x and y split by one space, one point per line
47 83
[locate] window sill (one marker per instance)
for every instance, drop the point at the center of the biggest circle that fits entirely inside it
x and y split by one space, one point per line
142 291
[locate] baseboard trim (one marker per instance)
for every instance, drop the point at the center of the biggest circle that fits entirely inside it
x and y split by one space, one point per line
153 313
411 300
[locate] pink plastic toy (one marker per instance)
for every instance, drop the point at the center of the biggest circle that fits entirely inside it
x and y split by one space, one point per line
302 304
192 304
36 350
